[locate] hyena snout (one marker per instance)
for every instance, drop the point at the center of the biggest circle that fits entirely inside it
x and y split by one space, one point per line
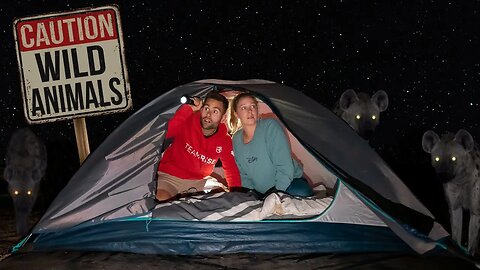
367 134
21 222
445 172
366 131
24 204
445 177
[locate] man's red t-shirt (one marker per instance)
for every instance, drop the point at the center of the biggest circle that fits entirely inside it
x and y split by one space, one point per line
192 155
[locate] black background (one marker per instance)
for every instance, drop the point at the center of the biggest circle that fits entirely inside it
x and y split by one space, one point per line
424 54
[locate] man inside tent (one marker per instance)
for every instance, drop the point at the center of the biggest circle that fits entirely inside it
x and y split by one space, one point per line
200 138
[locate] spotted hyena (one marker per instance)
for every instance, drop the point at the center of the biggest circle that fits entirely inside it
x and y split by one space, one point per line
456 159
361 111
26 162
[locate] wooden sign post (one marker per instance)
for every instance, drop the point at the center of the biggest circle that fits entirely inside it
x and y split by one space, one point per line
82 138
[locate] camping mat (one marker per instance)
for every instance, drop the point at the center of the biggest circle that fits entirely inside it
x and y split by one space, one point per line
237 206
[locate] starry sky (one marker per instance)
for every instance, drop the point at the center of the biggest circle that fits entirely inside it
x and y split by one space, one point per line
424 54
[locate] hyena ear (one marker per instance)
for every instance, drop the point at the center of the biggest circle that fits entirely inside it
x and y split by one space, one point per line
37 175
429 139
347 99
464 138
381 99
7 174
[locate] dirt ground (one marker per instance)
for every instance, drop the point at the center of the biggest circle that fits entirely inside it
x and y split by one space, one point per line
8 236
7 231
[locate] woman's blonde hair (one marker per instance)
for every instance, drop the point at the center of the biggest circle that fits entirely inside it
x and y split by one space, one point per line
233 122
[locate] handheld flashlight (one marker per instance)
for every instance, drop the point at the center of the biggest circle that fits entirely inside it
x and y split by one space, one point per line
185 99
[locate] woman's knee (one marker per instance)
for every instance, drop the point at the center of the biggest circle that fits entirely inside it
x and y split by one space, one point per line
300 187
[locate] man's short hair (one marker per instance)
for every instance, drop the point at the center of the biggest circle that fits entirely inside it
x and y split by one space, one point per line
218 97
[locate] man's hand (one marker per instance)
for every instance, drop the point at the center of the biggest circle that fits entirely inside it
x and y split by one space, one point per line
197 104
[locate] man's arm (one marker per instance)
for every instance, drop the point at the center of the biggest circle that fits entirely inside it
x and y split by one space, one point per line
175 124
232 174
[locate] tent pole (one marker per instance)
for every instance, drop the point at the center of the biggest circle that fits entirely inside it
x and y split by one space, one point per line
82 138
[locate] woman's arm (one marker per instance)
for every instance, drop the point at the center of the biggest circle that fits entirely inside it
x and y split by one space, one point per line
247 181
229 165
280 154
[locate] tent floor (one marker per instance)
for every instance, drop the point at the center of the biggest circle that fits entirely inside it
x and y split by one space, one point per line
117 260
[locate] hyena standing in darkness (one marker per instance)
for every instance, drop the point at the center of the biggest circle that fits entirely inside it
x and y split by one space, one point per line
456 159
361 111
26 162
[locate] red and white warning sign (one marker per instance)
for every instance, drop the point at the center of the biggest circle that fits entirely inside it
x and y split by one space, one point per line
72 64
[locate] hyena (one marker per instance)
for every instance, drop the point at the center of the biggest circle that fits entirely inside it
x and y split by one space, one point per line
456 159
361 111
26 162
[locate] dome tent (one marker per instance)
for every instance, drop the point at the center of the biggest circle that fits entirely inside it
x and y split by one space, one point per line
106 204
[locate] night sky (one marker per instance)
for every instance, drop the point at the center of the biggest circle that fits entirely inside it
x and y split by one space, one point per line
424 54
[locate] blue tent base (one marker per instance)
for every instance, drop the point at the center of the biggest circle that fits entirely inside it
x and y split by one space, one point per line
200 237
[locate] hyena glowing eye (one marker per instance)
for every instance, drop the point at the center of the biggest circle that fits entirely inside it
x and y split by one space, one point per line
374 117
357 116
454 158
437 159
29 192
15 192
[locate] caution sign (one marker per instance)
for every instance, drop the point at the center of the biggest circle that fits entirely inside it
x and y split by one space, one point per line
72 64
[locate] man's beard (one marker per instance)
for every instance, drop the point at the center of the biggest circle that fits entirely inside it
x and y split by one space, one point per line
208 126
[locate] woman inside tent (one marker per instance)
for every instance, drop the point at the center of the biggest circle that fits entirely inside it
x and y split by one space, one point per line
262 151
